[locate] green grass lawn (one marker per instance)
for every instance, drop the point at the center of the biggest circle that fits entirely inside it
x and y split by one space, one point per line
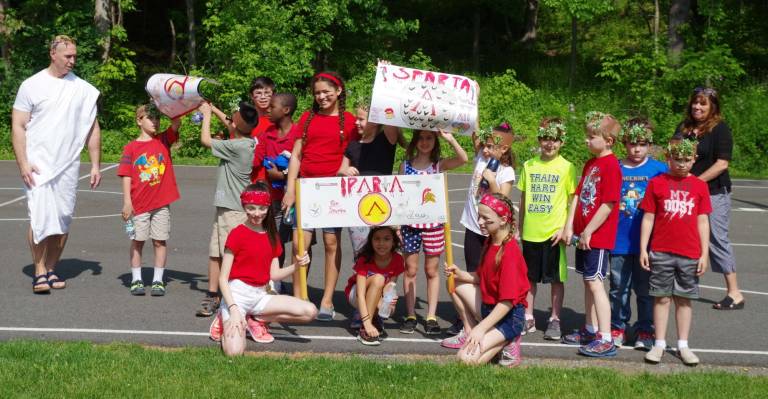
43 369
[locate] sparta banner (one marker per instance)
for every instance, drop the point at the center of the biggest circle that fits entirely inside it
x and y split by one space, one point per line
424 100
372 200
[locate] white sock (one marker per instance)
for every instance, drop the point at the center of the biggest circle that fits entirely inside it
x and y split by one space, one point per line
605 337
591 329
158 274
528 316
660 343
682 344
136 273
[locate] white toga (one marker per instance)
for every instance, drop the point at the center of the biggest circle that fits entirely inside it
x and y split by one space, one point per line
62 112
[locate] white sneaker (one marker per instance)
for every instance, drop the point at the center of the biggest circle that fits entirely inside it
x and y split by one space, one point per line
654 355
688 357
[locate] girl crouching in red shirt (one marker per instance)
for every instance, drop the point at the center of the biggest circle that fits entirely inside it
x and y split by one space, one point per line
493 297
249 262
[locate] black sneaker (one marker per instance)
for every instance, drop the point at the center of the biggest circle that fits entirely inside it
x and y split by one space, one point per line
455 328
208 306
366 339
158 288
432 328
409 325
137 288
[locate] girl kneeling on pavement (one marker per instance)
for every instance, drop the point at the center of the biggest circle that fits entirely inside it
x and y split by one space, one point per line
250 261
493 297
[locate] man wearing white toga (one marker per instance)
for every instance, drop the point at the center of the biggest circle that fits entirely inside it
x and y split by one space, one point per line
53 117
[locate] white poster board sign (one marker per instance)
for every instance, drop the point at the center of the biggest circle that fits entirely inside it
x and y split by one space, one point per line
425 100
372 200
174 95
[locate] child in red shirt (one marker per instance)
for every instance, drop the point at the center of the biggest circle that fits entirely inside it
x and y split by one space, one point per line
277 140
376 271
261 91
494 319
676 206
592 222
322 135
149 187
249 262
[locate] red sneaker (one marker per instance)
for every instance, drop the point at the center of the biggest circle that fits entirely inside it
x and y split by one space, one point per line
216 329
258 331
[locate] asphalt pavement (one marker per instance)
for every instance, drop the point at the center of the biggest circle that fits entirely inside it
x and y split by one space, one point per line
96 305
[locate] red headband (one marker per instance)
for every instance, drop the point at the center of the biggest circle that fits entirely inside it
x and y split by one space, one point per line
331 78
498 206
261 198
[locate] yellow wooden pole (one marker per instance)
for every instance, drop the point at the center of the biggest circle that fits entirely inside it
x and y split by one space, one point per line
450 282
300 243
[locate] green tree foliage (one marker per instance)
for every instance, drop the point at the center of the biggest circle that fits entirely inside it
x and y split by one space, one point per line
622 69
290 40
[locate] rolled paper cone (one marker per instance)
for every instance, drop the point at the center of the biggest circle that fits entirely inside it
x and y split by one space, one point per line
176 95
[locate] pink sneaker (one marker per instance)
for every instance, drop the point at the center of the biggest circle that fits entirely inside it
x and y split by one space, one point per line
216 329
511 355
258 331
455 342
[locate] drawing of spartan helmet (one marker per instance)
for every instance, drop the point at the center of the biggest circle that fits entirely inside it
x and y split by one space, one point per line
424 106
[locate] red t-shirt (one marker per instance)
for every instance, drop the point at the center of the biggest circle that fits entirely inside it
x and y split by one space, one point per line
395 268
322 152
676 203
600 183
271 145
148 164
257 134
253 255
506 282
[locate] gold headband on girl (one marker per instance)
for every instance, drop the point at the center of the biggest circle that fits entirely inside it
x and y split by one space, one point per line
498 206
260 198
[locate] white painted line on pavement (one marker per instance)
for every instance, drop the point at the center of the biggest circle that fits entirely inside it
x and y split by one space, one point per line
76 217
323 337
81 178
742 209
761 187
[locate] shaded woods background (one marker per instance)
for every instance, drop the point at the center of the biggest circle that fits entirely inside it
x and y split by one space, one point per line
532 58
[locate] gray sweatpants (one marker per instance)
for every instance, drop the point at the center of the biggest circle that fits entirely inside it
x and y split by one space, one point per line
720 250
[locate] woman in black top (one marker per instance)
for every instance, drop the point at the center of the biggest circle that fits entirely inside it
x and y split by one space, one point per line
704 122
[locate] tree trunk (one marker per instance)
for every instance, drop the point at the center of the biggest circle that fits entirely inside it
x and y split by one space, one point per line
192 45
678 15
531 21
172 58
476 42
574 38
5 47
656 18
103 21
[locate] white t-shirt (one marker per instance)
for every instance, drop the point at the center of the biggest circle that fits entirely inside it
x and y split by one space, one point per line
505 174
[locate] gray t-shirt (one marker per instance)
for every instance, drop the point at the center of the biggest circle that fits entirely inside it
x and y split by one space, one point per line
234 171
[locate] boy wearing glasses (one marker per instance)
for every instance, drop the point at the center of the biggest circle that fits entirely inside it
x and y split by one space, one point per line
149 187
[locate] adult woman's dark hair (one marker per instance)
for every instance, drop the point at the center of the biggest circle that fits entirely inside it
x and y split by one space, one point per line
703 122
